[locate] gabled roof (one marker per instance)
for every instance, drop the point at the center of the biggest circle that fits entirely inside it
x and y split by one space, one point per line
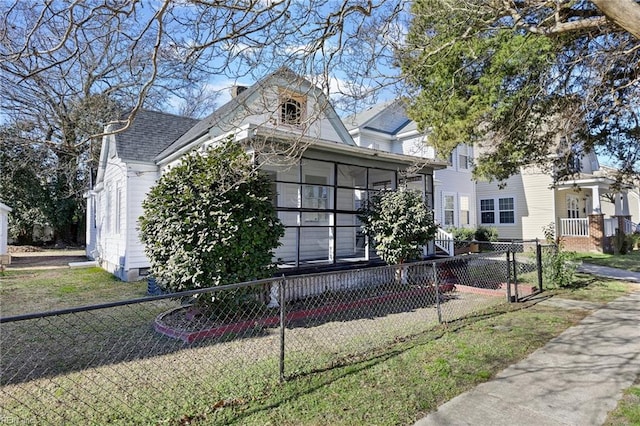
224 116
149 133
4 207
387 117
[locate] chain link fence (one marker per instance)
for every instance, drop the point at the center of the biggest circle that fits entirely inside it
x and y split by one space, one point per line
161 360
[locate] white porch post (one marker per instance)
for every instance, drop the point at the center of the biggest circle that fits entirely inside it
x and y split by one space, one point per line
618 204
624 199
595 199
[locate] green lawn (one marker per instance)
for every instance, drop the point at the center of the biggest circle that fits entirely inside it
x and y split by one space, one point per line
27 291
629 261
628 411
395 384
593 289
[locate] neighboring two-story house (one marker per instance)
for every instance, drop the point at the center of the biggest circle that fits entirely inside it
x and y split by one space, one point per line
583 211
386 127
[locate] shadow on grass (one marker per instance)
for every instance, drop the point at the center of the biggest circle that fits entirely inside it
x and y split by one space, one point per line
57 345
356 363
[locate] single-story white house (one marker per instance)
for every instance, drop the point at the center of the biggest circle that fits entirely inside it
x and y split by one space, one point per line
4 225
320 175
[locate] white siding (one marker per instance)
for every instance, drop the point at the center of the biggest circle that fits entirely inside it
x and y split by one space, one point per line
111 246
140 180
4 234
534 204
459 183
417 147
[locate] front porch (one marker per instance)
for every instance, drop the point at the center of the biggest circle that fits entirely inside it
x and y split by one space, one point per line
596 231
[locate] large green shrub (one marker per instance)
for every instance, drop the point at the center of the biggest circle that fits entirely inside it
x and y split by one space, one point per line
209 221
400 223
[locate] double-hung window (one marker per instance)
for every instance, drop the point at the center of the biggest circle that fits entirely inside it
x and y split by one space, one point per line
497 211
448 202
507 211
487 211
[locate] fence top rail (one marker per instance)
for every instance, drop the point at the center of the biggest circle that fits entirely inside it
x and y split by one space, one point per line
136 301
35 315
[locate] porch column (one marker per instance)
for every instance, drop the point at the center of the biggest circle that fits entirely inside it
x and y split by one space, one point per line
618 204
595 200
624 199
597 241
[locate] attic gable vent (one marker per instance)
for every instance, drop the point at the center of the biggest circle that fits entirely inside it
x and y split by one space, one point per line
292 108
291 112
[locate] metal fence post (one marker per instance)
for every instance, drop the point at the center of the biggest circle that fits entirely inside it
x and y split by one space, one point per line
539 263
508 276
282 300
515 277
437 288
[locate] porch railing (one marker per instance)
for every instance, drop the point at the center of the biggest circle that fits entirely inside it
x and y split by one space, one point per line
574 227
630 227
444 241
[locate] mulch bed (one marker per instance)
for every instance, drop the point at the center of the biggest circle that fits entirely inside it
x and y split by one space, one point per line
181 323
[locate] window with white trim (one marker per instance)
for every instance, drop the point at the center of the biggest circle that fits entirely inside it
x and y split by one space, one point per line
573 207
448 210
464 210
107 203
507 210
464 157
498 211
487 211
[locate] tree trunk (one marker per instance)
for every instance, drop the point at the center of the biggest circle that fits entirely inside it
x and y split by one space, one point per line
625 13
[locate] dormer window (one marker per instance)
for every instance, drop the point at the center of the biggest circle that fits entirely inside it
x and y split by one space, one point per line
291 109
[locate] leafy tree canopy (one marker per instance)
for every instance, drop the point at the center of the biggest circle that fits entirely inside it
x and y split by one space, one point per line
519 78
400 223
209 221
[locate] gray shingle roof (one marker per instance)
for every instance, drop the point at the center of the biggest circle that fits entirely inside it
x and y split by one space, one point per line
149 134
386 117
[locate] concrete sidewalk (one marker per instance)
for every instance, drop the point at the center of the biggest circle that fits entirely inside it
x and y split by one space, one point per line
605 271
575 379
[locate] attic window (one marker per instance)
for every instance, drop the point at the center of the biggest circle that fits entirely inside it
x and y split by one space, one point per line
291 109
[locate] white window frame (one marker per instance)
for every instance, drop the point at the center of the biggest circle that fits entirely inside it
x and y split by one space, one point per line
296 100
462 218
464 157
491 210
496 210
504 210
452 209
108 204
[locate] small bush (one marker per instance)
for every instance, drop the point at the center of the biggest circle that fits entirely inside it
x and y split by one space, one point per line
400 223
486 233
462 234
549 232
558 267
622 243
